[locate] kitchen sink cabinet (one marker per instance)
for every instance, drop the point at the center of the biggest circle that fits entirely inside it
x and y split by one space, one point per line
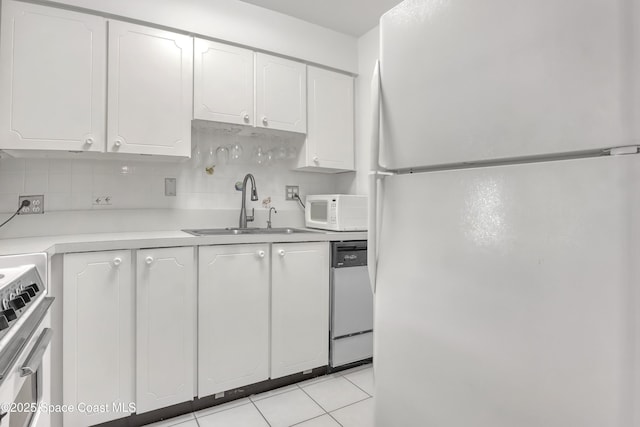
166 325
329 146
150 90
281 95
98 334
52 78
223 83
233 312
299 307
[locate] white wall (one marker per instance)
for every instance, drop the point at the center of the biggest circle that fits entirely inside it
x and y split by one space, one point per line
368 48
237 22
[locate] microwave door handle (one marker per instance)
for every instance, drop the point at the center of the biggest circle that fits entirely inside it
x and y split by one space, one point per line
34 360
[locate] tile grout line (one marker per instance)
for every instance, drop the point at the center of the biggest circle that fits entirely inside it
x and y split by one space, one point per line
260 412
321 415
351 404
334 419
328 413
360 388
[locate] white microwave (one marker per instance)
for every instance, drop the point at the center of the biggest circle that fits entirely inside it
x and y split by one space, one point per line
336 212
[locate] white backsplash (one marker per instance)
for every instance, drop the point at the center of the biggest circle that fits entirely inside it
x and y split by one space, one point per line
74 184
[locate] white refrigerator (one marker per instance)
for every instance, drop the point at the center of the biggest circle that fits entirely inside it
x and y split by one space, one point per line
505 214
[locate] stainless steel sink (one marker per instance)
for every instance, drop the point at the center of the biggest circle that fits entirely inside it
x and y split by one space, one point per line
239 231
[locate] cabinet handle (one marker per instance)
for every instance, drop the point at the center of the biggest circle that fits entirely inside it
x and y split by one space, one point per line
265 121
261 254
281 252
246 118
117 143
148 260
89 141
316 159
117 261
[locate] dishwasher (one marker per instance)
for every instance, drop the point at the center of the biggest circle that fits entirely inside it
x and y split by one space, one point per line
351 320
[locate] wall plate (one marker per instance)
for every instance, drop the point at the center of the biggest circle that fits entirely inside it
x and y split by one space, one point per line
170 187
36 206
291 191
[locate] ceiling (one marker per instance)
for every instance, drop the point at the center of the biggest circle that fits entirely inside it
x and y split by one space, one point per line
354 17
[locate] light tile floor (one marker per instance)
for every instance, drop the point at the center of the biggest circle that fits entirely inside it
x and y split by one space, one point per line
343 399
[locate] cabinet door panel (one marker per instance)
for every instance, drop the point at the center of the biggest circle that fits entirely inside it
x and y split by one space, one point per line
98 334
233 330
281 95
331 118
223 83
300 307
52 77
150 91
166 327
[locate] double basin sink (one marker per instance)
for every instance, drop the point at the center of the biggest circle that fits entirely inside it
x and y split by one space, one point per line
241 231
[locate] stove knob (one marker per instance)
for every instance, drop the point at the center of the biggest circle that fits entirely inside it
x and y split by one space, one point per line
25 297
10 314
34 287
4 323
16 303
31 292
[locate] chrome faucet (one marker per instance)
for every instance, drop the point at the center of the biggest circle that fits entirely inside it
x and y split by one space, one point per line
244 218
269 220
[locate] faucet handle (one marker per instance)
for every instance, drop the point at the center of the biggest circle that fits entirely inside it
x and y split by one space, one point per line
252 216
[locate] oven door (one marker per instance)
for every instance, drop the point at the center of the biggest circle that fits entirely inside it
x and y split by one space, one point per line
25 386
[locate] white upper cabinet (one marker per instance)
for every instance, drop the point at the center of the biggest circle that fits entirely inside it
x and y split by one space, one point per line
281 95
223 83
52 79
150 90
166 327
330 137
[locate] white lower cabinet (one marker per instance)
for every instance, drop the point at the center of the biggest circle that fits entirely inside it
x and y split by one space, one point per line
98 337
129 336
233 307
299 307
166 325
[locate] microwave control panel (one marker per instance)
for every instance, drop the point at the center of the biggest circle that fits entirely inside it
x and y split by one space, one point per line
333 212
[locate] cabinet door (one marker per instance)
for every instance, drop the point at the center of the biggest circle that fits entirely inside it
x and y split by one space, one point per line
281 95
329 142
223 83
233 333
52 79
150 91
299 307
98 334
166 324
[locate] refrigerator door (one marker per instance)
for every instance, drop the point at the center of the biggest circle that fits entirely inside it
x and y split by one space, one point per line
468 80
509 296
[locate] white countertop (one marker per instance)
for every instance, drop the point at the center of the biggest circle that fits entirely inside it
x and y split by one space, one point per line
153 239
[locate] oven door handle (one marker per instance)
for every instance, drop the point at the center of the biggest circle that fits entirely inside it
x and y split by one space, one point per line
34 359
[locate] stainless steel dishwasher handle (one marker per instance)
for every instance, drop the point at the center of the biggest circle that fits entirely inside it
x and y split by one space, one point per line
34 359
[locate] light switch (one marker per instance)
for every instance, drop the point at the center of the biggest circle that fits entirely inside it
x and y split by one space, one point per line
169 186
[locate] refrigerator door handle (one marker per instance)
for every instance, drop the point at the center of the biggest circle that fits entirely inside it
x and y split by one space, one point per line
372 235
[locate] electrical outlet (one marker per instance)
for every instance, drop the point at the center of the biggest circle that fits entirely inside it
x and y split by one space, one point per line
291 191
102 200
36 205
